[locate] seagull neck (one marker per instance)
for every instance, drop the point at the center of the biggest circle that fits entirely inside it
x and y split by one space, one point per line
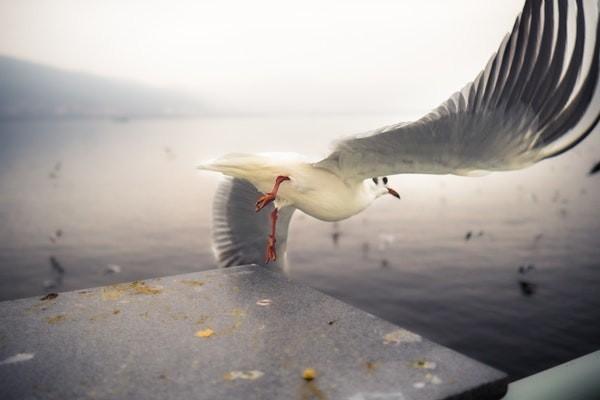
368 191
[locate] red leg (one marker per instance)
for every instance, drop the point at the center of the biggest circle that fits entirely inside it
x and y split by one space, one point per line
269 197
271 254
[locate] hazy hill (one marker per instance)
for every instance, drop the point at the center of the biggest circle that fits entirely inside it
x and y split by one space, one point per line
29 90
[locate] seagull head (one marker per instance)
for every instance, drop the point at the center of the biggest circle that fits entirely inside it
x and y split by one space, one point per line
378 186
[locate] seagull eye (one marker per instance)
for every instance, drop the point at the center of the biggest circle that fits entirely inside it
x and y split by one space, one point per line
376 180
385 180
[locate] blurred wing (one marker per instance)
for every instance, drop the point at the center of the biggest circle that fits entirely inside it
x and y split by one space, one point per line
536 98
239 233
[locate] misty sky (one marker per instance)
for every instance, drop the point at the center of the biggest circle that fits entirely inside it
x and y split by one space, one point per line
270 56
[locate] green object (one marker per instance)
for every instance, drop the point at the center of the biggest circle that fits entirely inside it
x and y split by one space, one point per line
578 379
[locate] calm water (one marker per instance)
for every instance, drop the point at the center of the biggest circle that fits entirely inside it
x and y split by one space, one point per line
86 196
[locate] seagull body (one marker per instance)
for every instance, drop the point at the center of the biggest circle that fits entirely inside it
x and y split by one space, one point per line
537 98
315 191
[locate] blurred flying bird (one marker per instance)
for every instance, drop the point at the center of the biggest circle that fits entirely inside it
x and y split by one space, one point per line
112 269
527 288
365 249
57 274
536 98
57 235
523 269
595 168
56 266
385 241
335 235
169 154
54 173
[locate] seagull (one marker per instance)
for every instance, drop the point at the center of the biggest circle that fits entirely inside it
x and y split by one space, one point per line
536 98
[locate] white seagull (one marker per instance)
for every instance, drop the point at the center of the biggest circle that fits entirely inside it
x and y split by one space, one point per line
536 98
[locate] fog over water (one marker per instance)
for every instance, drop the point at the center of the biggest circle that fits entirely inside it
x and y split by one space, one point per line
444 261
268 56
504 268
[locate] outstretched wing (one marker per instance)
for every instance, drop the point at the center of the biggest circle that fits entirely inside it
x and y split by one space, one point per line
239 233
537 97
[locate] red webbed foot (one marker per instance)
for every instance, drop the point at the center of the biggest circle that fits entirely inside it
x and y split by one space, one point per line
269 197
264 200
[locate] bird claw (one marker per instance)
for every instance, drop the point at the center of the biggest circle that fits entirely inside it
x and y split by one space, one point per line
264 200
271 254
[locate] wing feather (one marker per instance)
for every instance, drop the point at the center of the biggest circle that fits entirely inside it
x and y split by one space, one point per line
239 233
536 98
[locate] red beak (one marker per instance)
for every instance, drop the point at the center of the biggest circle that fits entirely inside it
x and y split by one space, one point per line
393 193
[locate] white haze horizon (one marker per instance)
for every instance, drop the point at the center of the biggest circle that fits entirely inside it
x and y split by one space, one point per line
269 57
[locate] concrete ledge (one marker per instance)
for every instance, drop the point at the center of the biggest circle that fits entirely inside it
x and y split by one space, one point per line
239 333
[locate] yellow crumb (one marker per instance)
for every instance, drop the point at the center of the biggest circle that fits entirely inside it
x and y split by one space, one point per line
205 333
309 374
192 282
56 319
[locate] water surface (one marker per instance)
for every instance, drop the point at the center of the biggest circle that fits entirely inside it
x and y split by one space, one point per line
86 196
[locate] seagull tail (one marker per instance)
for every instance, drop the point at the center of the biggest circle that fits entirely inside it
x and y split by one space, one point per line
237 165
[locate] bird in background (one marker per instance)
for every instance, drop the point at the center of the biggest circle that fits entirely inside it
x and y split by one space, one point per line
536 98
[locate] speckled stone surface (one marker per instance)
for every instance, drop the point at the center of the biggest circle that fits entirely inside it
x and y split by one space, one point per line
240 333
